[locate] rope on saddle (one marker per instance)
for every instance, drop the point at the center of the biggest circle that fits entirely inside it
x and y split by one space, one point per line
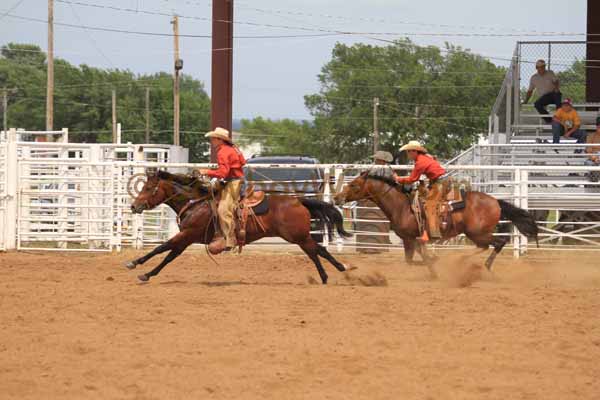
416 207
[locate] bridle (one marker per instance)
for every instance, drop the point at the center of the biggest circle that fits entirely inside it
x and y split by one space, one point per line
155 192
370 195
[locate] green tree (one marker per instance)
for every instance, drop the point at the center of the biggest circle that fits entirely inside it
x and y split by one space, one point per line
440 99
572 82
281 137
82 101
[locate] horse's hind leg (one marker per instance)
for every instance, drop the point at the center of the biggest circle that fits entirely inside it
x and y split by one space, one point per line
311 248
323 252
166 246
498 243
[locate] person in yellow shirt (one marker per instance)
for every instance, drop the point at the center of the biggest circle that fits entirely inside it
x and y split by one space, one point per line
566 122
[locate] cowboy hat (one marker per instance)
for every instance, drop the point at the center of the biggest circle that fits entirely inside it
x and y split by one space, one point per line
383 156
413 145
219 133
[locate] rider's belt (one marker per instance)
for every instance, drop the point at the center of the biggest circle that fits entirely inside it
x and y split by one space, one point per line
440 178
231 180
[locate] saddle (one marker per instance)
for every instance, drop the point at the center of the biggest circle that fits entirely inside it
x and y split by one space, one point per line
252 205
451 199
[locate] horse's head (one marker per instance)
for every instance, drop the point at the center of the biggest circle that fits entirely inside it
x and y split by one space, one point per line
153 193
354 191
370 184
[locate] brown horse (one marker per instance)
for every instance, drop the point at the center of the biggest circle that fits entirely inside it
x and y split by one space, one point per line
477 220
287 217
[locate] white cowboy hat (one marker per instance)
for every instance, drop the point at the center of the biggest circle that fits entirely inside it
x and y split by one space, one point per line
219 133
383 156
413 145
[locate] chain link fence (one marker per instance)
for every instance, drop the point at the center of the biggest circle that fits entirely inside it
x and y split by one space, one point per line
566 59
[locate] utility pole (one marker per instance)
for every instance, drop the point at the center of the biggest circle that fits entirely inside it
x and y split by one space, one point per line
147 115
417 121
114 115
222 68
178 67
375 124
50 69
4 110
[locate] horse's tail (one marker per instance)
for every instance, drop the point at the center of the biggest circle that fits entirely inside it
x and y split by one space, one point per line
327 214
524 221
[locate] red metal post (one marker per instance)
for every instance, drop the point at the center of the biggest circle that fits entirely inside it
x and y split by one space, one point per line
222 67
593 52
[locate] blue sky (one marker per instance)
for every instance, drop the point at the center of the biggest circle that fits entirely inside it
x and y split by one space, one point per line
271 76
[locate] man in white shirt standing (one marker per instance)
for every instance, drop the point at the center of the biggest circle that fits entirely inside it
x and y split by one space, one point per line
547 87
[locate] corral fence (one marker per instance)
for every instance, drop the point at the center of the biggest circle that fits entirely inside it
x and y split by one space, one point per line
77 200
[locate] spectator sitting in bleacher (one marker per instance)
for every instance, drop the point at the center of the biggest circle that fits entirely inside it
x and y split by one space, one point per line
546 86
594 151
566 123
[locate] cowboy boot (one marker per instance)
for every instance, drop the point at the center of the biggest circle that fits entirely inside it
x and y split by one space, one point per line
217 246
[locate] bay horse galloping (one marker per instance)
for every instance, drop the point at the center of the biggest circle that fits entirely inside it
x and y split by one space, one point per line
477 220
287 217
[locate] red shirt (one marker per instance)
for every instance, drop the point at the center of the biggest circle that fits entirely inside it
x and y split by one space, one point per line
230 161
424 165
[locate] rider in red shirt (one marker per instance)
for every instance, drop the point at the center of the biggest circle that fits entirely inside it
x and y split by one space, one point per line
424 165
230 162
430 167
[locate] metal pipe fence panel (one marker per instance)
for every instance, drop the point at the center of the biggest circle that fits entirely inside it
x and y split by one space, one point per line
58 209
73 205
3 194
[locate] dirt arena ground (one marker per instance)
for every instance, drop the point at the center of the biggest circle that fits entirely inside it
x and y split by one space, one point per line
80 326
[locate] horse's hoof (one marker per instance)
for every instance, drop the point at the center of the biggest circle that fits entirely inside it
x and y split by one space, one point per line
349 268
143 278
130 265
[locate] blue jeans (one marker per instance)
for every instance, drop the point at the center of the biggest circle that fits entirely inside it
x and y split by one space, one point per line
549 98
590 163
558 130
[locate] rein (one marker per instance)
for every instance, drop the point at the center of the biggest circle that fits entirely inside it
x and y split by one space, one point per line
370 195
187 207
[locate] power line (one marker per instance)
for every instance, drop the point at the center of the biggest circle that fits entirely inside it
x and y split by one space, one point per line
97 105
14 6
161 34
418 120
384 102
89 35
301 28
384 21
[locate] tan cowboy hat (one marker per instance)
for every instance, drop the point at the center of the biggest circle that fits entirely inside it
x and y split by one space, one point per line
383 156
413 145
219 133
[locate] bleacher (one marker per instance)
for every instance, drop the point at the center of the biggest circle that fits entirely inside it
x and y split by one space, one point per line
532 128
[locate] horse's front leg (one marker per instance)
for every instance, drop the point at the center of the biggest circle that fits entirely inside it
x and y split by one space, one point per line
158 250
178 244
428 259
170 257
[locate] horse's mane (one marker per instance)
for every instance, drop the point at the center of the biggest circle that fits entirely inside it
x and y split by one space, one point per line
183 180
378 177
